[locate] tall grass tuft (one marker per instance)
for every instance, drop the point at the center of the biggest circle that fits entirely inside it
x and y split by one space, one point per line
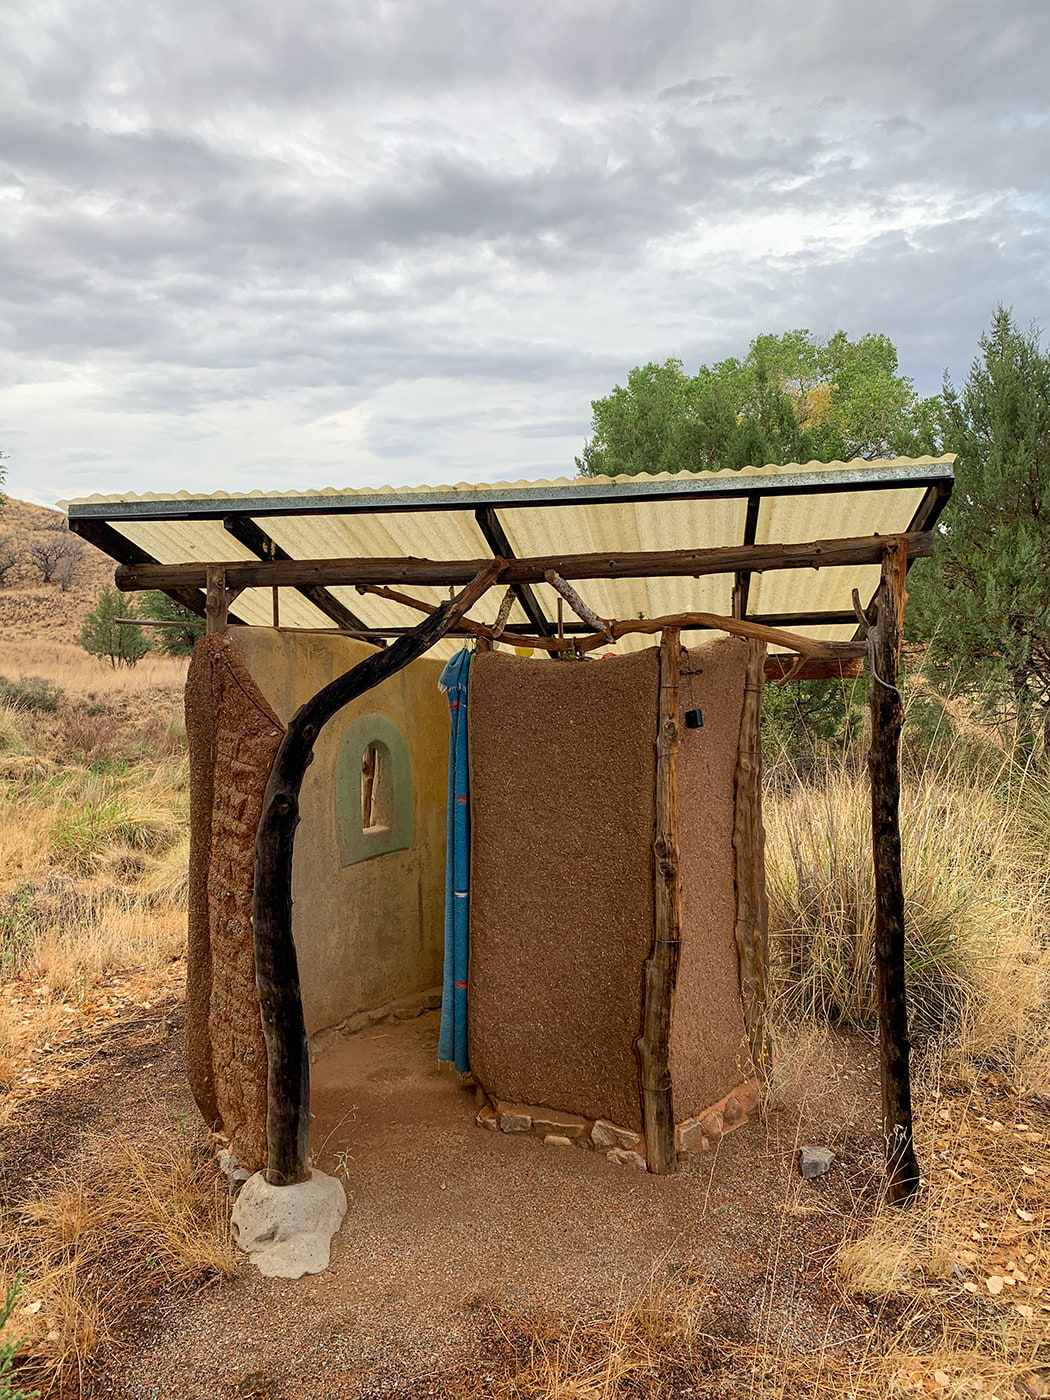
973 894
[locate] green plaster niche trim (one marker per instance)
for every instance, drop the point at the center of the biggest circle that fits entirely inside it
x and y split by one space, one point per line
356 843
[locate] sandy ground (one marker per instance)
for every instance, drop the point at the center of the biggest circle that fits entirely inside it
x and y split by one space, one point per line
445 1220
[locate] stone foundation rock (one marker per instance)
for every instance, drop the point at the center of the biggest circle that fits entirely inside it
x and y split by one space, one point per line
620 1145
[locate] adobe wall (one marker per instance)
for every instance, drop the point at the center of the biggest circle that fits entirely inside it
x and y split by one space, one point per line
562 810
708 1044
369 933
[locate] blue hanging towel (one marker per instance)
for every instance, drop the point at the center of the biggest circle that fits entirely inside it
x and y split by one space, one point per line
452 1042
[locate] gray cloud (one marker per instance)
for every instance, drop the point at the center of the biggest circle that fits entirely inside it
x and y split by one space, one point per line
268 245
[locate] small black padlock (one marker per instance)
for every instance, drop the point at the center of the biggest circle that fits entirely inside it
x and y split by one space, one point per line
694 719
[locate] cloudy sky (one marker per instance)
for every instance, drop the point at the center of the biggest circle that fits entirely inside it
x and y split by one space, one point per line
362 241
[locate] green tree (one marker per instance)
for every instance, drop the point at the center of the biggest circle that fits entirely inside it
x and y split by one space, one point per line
173 641
102 636
793 397
983 605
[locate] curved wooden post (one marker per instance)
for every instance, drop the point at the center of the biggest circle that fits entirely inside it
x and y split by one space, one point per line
887 720
661 969
276 967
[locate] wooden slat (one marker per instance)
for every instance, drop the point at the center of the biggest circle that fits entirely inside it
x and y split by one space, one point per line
847 667
752 910
675 563
661 969
887 720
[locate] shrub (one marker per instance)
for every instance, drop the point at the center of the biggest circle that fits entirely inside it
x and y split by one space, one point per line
31 693
172 641
103 636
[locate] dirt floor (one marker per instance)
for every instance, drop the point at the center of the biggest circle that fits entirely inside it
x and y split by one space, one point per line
446 1222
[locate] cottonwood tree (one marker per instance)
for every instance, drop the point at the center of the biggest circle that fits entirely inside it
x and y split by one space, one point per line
983 604
793 397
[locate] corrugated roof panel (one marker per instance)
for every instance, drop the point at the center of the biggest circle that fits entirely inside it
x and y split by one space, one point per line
185 541
646 525
835 515
433 534
549 519
255 606
799 519
406 496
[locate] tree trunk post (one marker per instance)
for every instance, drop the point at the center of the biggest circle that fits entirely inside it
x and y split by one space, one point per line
752 908
216 606
276 966
661 969
887 719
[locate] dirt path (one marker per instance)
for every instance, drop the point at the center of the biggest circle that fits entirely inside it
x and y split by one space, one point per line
446 1220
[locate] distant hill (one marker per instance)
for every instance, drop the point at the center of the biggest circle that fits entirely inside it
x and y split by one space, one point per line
33 610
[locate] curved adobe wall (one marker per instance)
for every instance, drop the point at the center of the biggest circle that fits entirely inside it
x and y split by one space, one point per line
370 931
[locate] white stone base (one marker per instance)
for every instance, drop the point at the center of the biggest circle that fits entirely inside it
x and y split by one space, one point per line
287 1231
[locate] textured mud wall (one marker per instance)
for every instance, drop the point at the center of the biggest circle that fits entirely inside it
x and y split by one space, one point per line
233 736
370 933
562 811
708 1045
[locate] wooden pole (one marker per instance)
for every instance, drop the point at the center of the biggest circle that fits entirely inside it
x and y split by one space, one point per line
216 606
887 719
438 573
829 652
752 909
661 970
276 966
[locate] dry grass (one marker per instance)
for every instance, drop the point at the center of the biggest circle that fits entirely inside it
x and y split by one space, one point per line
75 671
976 900
126 1219
650 1346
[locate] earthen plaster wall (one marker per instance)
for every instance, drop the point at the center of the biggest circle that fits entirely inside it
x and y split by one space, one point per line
562 811
233 736
708 1045
369 933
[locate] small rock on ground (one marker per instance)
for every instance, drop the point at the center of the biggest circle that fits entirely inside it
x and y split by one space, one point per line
815 1161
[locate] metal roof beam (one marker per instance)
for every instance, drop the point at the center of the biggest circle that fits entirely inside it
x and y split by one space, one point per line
491 527
253 537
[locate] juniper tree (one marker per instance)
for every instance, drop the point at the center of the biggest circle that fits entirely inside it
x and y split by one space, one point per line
983 604
173 641
102 636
